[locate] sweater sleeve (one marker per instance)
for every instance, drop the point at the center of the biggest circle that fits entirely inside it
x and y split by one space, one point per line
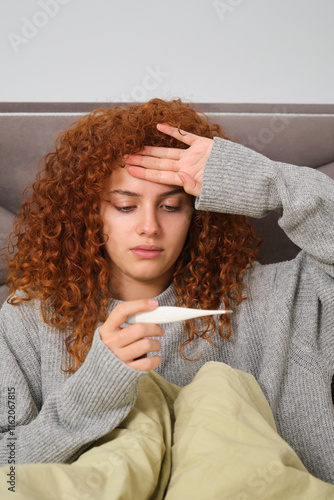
238 180
86 406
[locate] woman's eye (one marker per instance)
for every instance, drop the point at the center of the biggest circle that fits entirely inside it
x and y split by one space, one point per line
125 209
130 208
170 208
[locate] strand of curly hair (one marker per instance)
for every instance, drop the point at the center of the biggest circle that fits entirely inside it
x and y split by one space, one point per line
56 251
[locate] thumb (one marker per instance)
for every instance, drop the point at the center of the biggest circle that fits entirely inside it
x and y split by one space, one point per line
189 184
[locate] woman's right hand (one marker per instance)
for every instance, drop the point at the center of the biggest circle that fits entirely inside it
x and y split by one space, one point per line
132 343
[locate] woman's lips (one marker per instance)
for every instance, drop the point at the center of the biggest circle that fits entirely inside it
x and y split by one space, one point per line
147 252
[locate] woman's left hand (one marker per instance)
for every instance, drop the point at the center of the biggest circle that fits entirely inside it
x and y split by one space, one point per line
174 166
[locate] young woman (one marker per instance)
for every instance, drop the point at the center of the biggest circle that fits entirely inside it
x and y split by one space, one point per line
130 213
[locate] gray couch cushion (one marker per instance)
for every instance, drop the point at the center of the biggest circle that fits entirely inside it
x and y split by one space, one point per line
4 292
6 222
328 169
24 140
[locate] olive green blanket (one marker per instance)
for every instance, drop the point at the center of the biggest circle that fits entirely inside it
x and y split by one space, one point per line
213 439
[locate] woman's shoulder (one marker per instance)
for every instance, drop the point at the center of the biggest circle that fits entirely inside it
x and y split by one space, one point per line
21 322
261 279
260 267
18 307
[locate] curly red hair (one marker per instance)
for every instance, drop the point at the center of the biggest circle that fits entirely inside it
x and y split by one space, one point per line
58 255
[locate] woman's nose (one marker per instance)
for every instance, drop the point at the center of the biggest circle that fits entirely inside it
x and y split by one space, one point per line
148 223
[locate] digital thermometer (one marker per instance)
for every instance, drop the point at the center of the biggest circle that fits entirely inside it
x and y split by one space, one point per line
167 314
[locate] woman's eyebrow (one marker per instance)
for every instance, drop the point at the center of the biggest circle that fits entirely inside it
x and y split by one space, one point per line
131 193
127 193
173 191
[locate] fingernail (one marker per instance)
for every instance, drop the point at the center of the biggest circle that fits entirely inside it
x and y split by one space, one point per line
152 302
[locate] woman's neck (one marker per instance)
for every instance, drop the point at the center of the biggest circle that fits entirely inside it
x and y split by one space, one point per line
129 289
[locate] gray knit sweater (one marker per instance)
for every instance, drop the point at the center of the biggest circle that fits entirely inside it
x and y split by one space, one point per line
283 333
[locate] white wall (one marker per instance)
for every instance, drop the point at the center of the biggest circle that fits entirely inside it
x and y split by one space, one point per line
275 51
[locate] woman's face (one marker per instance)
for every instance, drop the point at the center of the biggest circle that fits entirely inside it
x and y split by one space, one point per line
146 224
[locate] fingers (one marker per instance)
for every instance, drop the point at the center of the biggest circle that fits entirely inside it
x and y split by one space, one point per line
173 166
159 152
134 341
146 364
162 152
142 160
189 184
118 316
158 176
139 349
131 334
181 135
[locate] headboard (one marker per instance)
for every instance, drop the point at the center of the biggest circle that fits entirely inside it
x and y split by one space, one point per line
290 133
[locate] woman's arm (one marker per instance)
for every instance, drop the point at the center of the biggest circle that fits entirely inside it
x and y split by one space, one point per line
90 403
238 180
